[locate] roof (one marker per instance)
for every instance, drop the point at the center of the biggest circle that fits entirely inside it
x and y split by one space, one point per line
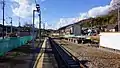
65 27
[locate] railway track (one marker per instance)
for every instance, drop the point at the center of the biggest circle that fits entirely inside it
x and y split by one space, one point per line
63 57
95 57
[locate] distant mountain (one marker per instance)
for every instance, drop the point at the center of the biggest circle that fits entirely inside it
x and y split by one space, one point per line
109 20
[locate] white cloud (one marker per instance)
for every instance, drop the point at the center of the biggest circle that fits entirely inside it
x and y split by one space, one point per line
43 0
94 12
83 16
37 23
66 21
114 4
49 26
98 11
44 9
103 10
24 9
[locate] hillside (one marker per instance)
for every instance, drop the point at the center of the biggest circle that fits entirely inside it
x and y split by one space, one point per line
109 19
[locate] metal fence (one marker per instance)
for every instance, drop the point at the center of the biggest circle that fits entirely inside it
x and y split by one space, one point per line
13 42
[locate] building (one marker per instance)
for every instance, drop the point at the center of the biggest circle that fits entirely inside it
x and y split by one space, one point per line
72 29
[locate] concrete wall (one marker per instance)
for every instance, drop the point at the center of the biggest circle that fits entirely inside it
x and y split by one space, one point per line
62 32
74 29
110 40
77 29
24 34
69 30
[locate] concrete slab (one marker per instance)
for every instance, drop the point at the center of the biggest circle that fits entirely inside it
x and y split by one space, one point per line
46 57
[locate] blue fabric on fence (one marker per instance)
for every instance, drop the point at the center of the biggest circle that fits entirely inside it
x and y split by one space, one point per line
8 44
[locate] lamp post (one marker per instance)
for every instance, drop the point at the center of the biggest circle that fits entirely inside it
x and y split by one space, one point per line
3 19
39 26
33 29
38 10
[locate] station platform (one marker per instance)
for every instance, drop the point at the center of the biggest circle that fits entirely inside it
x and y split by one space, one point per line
46 57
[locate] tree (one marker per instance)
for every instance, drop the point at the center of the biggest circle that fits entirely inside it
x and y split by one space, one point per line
27 27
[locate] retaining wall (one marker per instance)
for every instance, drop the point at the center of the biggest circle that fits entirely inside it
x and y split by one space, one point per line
110 40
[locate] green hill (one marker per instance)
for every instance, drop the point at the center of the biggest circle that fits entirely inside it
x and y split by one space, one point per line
101 21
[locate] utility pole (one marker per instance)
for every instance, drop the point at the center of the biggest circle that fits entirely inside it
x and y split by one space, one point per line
11 24
33 28
19 22
43 25
3 19
40 25
6 29
19 26
118 19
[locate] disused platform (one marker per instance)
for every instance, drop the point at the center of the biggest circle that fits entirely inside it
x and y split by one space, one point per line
78 40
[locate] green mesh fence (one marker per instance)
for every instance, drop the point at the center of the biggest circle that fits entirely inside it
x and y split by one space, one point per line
11 43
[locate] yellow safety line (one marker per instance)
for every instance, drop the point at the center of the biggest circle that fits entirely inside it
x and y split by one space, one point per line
40 57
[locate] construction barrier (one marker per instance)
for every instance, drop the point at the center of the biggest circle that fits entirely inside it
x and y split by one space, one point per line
8 44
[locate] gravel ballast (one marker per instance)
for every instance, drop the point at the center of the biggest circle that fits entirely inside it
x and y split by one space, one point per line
91 56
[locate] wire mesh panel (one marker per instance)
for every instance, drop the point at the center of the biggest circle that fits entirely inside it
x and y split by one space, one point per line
12 43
